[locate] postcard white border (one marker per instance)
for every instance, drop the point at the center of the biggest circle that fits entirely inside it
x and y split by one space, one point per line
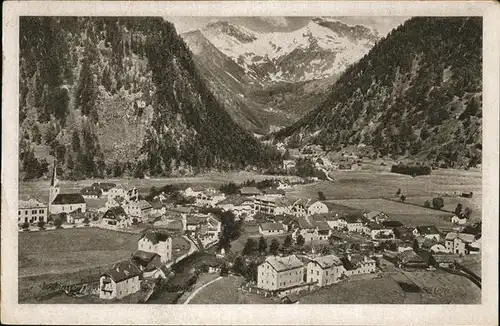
484 314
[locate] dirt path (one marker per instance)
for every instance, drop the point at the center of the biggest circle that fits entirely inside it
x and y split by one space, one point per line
199 289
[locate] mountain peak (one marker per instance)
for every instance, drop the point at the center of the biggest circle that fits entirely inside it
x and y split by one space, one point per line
238 32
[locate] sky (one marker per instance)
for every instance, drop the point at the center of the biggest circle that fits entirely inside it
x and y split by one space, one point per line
382 24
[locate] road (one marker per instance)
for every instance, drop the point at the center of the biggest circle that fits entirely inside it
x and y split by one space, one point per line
199 289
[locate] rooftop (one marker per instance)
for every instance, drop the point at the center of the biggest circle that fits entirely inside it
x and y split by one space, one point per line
123 271
65 199
272 226
281 264
465 237
249 191
427 229
156 236
31 203
327 261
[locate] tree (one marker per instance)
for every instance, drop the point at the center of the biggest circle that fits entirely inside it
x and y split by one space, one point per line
41 225
398 192
58 223
239 266
288 241
262 245
458 209
300 240
427 203
402 198
467 212
37 136
75 142
25 226
249 248
275 245
437 203
321 195
415 245
86 221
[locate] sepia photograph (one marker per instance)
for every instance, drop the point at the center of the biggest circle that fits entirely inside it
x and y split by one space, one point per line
249 160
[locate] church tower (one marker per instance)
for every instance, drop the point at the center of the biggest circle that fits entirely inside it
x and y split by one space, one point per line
54 186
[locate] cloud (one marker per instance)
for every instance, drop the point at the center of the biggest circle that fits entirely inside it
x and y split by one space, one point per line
275 21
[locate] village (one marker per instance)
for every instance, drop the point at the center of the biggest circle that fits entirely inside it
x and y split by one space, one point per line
281 247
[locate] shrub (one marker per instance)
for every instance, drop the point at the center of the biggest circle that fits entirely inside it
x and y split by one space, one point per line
411 170
25 226
58 223
41 225
437 203
427 203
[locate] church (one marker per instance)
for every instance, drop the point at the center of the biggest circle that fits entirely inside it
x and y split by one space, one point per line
63 203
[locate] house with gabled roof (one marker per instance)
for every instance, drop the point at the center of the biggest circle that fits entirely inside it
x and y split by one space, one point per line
119 281
311 230
156 242
459 243
280 273
91 193
272 228
325 270
427 231
271 192
116 217
380 232
376 216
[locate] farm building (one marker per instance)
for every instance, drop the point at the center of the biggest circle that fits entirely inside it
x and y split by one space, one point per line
271 228
103 186
91 193
116 217
119 281
270 192
376 216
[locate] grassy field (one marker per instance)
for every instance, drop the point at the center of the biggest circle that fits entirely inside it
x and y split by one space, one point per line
60 251
376 184
451 202
225 291
405 213
374 291
39 188
440 287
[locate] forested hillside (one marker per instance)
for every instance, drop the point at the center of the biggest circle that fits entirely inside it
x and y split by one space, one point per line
113 96
417 93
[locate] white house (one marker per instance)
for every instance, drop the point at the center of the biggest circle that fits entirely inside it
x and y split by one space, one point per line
116 217
129 194
119 281
314 231
317 208
31 211
280 273
325 270
458 220
376 216
460 243
91 193
158 243
67 203
378 231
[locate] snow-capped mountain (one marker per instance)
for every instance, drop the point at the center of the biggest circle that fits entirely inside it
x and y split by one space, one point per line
323 48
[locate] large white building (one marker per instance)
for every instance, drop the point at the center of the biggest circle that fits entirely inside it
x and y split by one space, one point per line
280 273
325 270
31 211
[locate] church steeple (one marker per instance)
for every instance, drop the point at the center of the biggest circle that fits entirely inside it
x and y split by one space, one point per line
54 185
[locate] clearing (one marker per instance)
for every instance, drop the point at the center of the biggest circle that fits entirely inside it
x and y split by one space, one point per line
225 291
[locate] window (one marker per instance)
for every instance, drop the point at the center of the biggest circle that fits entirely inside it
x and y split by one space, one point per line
317 272
25 212
19 213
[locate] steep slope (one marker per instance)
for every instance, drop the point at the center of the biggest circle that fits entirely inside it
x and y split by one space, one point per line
417 93
107 96
226 79
320 49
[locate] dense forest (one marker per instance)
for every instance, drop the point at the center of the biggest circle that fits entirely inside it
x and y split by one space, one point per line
109 96
417 93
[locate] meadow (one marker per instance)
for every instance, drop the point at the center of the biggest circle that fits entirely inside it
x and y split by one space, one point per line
68 250
225 291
